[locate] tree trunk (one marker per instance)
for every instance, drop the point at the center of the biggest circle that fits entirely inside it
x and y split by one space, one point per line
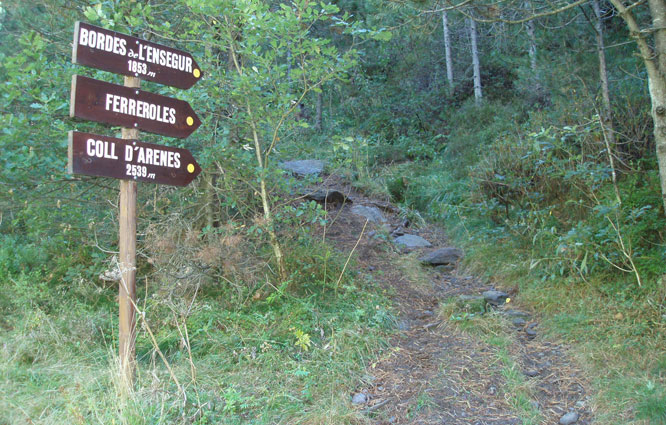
318 112
655 64
265 200
447 51
606 113
478 95
657 85
532 49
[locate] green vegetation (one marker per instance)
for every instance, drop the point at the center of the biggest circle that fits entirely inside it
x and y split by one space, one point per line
243 316
293 356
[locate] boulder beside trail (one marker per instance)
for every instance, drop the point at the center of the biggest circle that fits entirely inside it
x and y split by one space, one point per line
495 298
304 167
373 214
442 256
328 196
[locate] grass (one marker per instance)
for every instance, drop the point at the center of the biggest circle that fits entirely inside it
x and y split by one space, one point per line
289 359
493 330
617 338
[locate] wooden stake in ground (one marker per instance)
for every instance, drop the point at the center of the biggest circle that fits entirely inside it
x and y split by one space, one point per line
127 264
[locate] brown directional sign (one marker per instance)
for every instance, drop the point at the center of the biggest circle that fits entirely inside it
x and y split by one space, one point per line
123 54
94 155
128 107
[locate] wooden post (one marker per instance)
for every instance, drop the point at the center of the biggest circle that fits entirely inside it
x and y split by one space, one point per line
127 263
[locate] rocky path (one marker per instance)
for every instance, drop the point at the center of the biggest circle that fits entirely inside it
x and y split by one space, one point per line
449 362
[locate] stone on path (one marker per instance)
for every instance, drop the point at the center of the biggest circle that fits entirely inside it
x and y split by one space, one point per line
465 298
569 418
516 313
442 256
359 398
328 196
412 241
373 214
305 167
519 322
495 298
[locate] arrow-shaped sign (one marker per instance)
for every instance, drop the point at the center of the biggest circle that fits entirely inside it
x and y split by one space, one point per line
128 107
123 54
95 155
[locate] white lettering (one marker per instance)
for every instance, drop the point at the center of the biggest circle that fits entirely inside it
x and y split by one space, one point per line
90 147
152 111
110 150
100 42
83 36
99 149
92 38
129 153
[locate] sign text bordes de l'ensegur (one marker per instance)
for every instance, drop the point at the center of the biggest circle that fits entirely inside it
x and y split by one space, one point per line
123 54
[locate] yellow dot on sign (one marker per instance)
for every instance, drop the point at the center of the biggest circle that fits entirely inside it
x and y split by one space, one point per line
190 168
196 73
189 121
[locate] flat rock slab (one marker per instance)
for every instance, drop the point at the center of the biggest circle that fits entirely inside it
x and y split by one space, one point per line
466 298
412 241
304 167
329 196
442 256
516 313
373 214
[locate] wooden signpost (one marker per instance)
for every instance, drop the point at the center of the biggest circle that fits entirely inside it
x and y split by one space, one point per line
132 108
126 55
95 155
128 159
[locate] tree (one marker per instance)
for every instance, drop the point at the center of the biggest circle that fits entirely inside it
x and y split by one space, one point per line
264 89
606 113
651 41
447 50
478 95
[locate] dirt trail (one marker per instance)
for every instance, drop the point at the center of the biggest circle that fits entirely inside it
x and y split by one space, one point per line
433 372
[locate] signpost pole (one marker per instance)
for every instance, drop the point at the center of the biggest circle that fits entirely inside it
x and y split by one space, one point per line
127 264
